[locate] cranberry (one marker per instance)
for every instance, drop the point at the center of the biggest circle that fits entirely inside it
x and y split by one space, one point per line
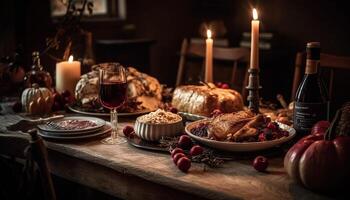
175 151
272 126
196 150
219 84
177 157
66 93
225 86
184 164
185 142
260 163
173 110
128 131
262 137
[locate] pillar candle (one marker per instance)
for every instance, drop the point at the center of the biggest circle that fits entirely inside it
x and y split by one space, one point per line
67 75
208 76
254 49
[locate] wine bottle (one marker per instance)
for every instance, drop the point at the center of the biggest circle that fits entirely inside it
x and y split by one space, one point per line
311 99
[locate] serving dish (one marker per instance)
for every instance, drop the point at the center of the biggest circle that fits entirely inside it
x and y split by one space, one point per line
240 146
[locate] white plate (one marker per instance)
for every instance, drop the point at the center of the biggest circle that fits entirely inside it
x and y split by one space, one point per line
240 146
105 129
103 114
99 124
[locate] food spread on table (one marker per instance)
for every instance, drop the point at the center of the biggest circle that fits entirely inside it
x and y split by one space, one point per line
143 92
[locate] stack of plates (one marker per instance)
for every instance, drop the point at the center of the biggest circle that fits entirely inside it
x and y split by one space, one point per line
52 131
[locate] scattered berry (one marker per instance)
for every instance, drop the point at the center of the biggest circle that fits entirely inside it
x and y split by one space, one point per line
196 150
184 164
271 125
175 151
177 157
185 142
225 86
219 84
173 110
262 137
260 163
66 93
128 131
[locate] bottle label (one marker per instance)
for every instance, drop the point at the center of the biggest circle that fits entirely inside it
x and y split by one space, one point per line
307 114
311 66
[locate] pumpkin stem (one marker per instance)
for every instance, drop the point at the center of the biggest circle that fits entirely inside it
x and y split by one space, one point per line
331 131
35 85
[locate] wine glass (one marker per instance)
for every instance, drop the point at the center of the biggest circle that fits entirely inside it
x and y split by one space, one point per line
112 93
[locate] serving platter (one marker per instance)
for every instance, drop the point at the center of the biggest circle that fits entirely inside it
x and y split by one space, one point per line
106 114
240 146
49 128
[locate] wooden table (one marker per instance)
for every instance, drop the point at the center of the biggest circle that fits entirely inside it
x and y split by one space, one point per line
131 173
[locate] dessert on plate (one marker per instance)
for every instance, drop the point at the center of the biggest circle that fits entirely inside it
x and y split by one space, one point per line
144 91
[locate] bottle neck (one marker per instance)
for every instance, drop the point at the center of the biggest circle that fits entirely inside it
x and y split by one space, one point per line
312 66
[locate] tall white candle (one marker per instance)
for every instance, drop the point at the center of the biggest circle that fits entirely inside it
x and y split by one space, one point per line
208 76
254 51
67 75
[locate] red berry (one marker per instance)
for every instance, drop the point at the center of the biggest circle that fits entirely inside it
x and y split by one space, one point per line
185 142
262 137
173 110
184 164
128 131
219 84
66 93
196 150
272 126
175 151
225 86
177 157
260 163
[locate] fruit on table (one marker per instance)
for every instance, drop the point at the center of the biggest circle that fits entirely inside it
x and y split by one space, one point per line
184 164
321 161
37 100
62 100
175 151
177 157
196 150
128 131
260 163
320 127
185 142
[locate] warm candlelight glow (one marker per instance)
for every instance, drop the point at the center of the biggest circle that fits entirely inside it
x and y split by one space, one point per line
255 14
70 59
209 34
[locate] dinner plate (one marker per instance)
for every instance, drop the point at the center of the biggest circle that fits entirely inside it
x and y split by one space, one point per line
99 124
67 133
240 146
105 129
105 114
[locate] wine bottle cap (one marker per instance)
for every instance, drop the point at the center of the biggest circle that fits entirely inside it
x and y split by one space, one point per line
313 50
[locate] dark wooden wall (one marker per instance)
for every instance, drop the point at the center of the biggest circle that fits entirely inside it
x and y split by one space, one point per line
168 22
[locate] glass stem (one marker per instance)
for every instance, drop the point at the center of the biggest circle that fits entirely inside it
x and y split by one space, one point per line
114 123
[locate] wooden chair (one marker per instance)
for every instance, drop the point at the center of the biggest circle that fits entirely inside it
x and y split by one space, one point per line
327 61
234 55
16 148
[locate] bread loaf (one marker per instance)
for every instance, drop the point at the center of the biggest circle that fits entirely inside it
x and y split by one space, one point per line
202 100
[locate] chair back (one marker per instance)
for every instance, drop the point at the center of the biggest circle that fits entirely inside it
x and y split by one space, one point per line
30 149
327 61
235 55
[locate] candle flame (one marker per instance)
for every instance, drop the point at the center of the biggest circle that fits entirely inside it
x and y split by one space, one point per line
209 34
70 59
255 14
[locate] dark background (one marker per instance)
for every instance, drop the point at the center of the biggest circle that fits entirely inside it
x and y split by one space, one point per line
167 22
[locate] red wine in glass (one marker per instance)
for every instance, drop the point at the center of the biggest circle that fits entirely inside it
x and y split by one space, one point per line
113 94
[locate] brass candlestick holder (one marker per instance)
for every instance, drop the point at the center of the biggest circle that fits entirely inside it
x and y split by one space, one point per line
253 88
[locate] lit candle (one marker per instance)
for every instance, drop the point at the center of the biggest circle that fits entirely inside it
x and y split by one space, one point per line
67 75
208 76
254 51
